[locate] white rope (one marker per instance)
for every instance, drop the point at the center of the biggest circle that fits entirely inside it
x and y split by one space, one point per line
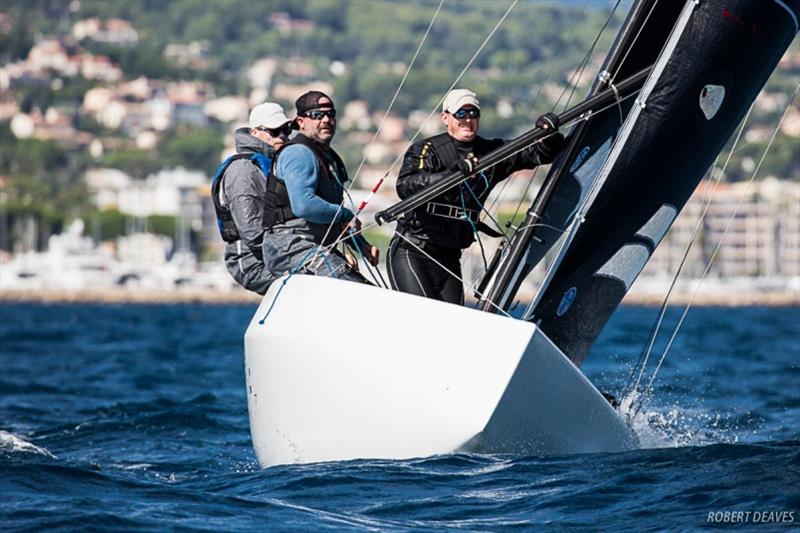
648 389
386 114
397 92
636 38
458 78
411 142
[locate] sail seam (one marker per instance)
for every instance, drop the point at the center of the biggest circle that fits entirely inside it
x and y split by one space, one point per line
791 14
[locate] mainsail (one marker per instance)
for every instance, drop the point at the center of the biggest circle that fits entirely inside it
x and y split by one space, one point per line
717 57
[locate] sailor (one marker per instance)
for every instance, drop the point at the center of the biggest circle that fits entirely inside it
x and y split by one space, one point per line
238 192
303 213
429 240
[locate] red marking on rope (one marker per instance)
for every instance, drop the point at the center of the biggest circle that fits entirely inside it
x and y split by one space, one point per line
363 205
377 185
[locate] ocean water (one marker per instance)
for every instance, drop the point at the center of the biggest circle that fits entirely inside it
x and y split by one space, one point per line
134 417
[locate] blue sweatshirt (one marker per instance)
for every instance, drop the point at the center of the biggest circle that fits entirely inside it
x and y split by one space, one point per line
299 170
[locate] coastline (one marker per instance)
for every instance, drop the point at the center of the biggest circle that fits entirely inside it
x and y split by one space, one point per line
240 297
129 296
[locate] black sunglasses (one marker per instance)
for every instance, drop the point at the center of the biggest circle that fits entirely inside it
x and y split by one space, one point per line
462 113
286 130
320 114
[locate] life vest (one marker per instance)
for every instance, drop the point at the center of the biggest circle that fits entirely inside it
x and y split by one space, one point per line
452 218
227 228
330 186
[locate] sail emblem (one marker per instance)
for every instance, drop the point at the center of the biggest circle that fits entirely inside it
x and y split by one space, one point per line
711 98
579 160
566 301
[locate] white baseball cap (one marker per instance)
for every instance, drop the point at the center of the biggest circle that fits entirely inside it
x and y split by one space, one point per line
269 115
458 98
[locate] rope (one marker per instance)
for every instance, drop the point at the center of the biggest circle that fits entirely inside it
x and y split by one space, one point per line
648 389
399 87
357 246
585 61
414 137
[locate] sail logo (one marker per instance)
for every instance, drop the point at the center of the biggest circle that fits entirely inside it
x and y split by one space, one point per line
580 159
711 97
566 301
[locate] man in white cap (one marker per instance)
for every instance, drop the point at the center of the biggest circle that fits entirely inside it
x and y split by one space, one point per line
430 239
238 192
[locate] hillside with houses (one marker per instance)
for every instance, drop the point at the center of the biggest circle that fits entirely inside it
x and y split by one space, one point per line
114 115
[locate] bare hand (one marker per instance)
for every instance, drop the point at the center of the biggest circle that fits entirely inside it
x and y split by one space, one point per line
374 255
352 262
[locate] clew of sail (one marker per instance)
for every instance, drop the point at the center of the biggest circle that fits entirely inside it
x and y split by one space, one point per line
717 57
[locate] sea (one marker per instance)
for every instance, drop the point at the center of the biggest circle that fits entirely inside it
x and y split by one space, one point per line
134 417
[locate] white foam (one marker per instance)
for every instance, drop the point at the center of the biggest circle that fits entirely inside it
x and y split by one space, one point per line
13 443
674 426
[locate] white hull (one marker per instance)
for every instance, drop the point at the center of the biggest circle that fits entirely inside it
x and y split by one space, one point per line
341 371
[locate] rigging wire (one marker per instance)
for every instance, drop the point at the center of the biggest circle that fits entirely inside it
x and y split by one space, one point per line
648 389
394 98
707 197
636 38
419 130
468 285
399 88
576 76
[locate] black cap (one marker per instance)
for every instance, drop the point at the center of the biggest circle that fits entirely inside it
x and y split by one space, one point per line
310 101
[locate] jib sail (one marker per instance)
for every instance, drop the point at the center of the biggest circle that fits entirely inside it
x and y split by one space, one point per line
636 47
709 70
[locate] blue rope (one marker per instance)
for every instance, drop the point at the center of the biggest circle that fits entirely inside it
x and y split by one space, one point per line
361 256
285 281
471 223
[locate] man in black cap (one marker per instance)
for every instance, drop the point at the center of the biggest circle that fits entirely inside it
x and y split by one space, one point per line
303 210
430 239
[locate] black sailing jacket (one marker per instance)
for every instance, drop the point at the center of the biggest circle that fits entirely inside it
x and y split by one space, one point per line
443 221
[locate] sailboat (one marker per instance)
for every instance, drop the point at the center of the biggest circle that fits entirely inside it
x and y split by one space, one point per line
417 377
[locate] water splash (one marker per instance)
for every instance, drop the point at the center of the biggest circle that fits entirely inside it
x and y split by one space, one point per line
673 426
14 444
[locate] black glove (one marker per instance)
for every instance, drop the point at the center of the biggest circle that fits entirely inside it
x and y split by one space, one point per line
548 121
466 165
553 143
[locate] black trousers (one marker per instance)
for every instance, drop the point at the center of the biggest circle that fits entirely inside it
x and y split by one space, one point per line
414 272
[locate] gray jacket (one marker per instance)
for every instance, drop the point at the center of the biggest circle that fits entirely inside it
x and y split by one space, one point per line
243 189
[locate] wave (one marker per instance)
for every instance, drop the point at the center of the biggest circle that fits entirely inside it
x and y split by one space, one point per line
15 444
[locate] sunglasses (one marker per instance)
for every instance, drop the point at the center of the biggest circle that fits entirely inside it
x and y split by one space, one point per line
284 130
319 115
461 114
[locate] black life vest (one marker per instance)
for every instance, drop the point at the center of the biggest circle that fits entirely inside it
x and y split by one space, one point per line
330 186
227 228
452 218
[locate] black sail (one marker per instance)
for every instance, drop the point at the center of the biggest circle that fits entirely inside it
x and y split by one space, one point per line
713 65
637 46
